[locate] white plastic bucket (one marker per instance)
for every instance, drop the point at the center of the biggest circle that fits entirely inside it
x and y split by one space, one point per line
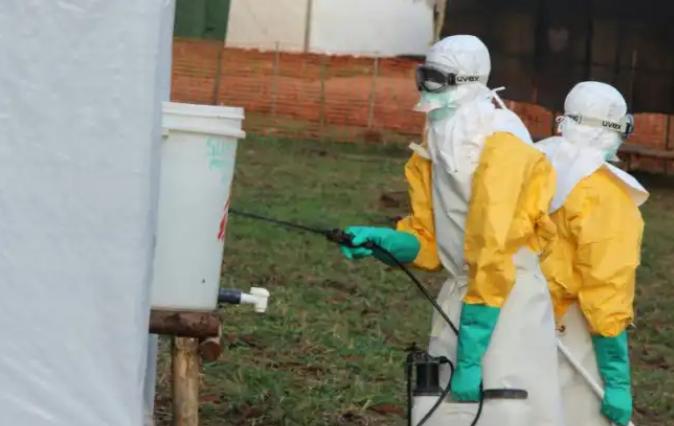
197 167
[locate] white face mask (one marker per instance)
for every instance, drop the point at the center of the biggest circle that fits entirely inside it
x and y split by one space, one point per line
437 105
592 135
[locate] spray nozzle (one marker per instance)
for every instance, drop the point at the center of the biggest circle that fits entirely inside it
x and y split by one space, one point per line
342 238
256 296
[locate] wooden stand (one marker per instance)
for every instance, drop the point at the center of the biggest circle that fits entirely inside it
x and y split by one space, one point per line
185 392
185 324
211 347
196 336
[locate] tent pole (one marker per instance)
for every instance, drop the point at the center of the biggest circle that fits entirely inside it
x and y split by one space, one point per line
440 9
307 25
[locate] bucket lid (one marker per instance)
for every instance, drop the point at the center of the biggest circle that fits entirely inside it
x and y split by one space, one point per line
206 111
203 119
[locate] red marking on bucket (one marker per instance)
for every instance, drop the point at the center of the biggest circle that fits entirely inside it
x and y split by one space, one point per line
223 222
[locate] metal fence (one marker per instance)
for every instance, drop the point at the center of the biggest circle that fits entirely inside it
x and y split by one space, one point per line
336 98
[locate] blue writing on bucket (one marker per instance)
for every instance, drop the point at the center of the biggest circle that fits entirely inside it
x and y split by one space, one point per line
221 156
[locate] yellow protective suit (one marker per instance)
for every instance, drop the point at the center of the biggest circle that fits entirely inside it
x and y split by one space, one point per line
591 273
594 263
420 221
486 227
512 189
591 268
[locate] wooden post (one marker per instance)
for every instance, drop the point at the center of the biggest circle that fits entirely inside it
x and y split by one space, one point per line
322 106
307 25
210 348
667 147
274 78
440 7
633 74
373 91
195 335
186 370
553 123
218 75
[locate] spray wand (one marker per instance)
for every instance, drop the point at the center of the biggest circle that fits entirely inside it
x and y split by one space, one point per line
339 236
335 235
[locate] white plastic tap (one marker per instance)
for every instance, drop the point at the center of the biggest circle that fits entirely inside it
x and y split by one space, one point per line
259 297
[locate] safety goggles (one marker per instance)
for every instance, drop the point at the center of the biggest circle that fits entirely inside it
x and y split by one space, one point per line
624 126
432 80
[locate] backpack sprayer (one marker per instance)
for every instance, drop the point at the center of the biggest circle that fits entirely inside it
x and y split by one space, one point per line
425 395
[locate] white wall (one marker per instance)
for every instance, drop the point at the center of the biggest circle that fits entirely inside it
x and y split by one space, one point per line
263 23
388 27
365 27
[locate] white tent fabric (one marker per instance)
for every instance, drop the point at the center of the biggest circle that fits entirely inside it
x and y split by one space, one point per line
80 131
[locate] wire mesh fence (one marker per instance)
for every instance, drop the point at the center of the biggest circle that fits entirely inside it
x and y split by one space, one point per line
363 99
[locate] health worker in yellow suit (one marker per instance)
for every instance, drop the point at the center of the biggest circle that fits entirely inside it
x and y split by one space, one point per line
480 194
592 268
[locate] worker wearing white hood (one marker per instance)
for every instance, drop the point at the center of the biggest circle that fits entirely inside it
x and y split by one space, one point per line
480 194
591 270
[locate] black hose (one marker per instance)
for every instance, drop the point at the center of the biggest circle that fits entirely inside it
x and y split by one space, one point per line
480 404
420 286
342 238
442 313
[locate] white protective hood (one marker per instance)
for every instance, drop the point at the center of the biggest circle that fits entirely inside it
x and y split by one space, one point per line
458 138
572 164
582 149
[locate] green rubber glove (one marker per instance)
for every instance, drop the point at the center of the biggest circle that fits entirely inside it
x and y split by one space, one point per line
404 246
614 366
475 329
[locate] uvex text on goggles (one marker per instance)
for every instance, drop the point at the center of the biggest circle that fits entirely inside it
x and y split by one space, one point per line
433 80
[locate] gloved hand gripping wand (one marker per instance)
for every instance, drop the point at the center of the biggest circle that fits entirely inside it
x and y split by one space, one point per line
338 236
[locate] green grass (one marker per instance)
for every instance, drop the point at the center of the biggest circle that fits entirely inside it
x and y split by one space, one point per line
330 349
